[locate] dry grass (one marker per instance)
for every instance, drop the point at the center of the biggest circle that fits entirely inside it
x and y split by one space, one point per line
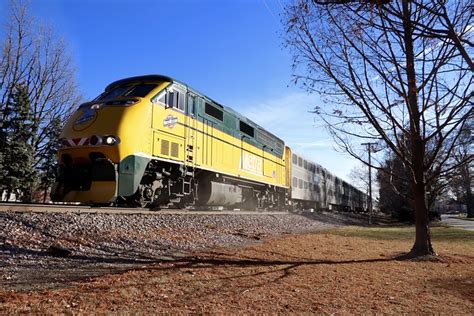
349 270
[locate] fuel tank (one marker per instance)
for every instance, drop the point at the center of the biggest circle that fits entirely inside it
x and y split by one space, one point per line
217 194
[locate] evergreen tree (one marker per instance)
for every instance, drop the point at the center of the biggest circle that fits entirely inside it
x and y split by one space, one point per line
2 149
4 124
19 173
394 190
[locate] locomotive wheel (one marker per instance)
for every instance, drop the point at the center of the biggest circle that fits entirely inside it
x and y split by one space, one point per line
137 200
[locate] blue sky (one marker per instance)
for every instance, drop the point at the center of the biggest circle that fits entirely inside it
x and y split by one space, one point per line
231 51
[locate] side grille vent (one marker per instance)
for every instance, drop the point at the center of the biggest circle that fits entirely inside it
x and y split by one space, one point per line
165 147
174 150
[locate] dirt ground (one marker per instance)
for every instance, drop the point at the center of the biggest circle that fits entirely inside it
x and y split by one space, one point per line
345 270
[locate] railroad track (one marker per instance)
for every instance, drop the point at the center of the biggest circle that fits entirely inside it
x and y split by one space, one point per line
85 209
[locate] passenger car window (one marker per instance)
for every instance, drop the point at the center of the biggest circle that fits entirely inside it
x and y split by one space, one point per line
294 159
300 161
316 188
295 182
300 183
305 164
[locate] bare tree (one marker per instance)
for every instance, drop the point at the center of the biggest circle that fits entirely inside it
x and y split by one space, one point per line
462 177
33 58
387 74
359 177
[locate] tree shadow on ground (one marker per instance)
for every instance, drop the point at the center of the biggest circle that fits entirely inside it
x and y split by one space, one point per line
347 218
460 286
267 270
79 267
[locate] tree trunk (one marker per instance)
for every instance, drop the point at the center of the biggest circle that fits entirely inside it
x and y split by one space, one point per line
469 200
45 193
468 192
422 244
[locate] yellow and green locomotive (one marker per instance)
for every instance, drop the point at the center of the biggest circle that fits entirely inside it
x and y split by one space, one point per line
151 140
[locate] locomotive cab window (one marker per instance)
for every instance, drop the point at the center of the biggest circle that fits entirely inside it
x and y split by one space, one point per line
214 112
137 90
114 93
140 90
173 98
191 105
245 128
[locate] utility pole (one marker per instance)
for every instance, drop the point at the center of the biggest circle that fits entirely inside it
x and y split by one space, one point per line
369 204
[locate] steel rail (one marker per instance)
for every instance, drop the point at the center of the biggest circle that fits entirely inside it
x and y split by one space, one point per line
9 207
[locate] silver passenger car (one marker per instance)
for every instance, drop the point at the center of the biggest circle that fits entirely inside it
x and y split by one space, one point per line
307 183
313 187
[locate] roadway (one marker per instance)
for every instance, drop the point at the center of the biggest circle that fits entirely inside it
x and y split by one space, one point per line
452 220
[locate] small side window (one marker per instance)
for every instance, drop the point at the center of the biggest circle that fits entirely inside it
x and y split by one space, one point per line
300 162
214 112
245 128
306 185
305 165
295 182
294 159
300 183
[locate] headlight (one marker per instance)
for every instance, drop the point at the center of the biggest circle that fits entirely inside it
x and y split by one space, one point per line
95 140
110 140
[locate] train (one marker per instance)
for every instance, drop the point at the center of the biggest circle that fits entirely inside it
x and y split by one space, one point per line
153 141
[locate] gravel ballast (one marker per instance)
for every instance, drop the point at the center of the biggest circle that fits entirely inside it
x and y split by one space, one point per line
39 251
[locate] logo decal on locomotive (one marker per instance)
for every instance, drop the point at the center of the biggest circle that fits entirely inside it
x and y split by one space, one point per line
170 121
88 116
252 164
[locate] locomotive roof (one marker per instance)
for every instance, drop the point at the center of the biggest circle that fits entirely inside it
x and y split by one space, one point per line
160 78
146 78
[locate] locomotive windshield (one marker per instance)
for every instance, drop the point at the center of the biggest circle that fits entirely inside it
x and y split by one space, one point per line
138 90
